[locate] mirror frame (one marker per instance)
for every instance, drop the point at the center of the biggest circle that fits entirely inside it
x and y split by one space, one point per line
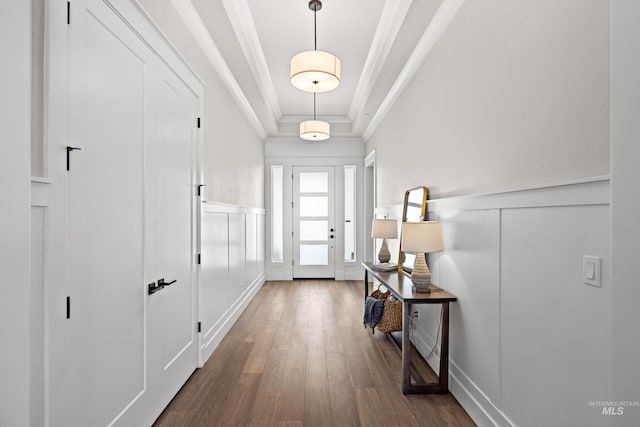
423 216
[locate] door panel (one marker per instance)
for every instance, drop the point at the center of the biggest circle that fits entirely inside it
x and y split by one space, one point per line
313 225
107 365
173 308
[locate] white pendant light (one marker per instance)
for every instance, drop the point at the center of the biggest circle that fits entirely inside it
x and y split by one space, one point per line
315 70
315 130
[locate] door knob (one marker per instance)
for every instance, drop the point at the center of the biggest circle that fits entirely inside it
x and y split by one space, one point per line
331 236
162 283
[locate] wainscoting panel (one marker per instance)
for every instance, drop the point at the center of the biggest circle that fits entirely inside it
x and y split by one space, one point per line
232 268
554 327
525 327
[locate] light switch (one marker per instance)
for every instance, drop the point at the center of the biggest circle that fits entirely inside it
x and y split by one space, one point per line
590 273
591 270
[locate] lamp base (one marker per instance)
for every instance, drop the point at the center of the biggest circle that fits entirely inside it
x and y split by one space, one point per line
384 255
421 276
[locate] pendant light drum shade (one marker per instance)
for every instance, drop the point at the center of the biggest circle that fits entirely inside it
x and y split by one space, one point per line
315 130
315 71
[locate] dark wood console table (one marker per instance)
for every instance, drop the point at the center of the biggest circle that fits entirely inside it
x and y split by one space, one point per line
400 286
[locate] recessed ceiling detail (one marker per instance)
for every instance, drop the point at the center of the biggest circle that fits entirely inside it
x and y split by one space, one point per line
380 48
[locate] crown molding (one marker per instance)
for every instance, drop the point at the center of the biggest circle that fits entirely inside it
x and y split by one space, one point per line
432 34
190 16
391 20
242 22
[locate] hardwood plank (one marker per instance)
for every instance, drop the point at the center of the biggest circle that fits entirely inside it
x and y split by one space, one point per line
269 389
300 356
316 387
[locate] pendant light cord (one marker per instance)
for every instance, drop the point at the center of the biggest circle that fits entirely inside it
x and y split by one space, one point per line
315 35
314 105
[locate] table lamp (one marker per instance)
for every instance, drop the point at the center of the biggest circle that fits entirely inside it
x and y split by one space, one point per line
384 229
420 238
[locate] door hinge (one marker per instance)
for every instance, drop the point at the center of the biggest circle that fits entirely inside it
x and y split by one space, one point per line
199 259
68 13
291 263
198 122
68 307
199 327
199 186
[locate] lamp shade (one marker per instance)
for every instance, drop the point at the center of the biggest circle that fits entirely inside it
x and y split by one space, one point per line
421 237
315 130
315 71
384 229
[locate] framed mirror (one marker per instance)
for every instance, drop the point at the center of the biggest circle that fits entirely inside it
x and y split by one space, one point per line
414 209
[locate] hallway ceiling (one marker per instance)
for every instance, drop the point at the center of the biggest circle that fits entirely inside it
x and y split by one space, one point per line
380 43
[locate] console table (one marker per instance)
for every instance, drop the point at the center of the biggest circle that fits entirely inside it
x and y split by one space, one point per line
400 286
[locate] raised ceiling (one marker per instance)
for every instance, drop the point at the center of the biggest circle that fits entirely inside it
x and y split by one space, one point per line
380 43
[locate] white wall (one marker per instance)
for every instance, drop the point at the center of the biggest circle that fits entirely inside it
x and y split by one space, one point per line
625 204
233 152
514 93
15 143
528 337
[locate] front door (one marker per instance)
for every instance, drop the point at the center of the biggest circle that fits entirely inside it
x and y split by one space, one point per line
313 226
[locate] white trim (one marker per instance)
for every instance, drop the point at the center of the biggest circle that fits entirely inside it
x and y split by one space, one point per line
140 23
391 19
214 207
586 191
39 193
578 192
242 21
370 159
432 34
192 19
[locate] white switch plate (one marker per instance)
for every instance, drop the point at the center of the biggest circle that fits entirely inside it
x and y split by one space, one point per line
591 270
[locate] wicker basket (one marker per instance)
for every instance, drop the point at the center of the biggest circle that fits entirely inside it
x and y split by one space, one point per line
391 320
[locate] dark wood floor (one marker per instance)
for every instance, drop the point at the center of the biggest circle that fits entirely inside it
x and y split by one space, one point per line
299 355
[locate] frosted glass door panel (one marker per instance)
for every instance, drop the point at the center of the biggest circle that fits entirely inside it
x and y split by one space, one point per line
314 206
314 231
313 225
314 255
314 182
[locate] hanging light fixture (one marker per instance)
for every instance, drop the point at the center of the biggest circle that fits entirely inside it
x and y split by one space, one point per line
315 130
315 70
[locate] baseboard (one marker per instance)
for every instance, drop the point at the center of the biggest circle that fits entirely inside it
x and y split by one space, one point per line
220 329
473 400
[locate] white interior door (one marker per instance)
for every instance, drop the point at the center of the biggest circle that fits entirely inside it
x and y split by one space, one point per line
106 358
313 222
172 322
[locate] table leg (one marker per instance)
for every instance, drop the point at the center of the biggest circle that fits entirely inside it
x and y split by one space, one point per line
406 348
366 284
444 350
